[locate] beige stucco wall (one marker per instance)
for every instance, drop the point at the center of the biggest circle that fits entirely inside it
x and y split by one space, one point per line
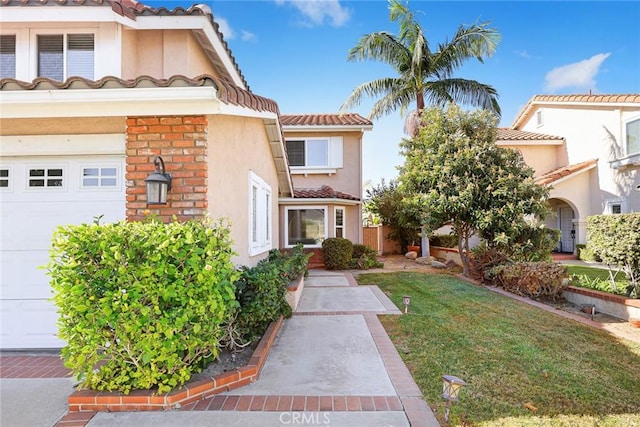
237 145
62 126
348 178
542 158
594 132
162 54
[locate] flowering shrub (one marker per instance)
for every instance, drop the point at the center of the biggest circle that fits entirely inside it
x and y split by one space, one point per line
141 304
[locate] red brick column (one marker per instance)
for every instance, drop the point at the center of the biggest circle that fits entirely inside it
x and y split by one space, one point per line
181 141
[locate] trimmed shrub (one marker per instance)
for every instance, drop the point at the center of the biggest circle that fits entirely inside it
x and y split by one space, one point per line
261 292
616 240
531 279
141 304
337 253
293 262
444 240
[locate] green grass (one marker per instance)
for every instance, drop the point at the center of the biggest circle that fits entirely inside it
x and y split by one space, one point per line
510 354
598 279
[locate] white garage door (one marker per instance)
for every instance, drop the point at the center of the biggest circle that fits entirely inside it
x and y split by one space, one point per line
38 194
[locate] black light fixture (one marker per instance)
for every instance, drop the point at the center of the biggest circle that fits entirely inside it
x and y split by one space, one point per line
158 184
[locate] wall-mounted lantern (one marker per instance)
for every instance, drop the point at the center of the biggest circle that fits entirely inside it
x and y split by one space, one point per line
158 184
450 389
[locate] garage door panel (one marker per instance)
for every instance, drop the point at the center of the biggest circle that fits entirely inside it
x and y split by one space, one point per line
45 217
17 333
29 217
21 277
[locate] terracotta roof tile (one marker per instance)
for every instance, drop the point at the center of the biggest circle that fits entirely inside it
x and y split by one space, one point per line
565 171
623 98
346 119
324 192
132 9
227 92
508 134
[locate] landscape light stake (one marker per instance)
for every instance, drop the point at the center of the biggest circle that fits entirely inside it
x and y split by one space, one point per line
406 300
450 388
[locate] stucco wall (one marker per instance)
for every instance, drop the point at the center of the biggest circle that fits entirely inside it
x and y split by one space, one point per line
237 145
162 54
62 126
594 132
542 158
348 178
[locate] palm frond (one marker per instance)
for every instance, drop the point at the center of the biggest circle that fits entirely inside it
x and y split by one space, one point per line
374 88
465 92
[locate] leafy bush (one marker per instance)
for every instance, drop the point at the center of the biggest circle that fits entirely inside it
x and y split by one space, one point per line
337 253
444 240
595 283
364 258
532 243
261 292
141 304
293 262
616 240
531 279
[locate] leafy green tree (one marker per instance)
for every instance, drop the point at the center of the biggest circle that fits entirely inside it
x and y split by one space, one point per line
386 201
454 171
424 74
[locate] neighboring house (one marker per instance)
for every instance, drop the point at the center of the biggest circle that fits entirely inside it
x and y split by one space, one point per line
91 93
587 148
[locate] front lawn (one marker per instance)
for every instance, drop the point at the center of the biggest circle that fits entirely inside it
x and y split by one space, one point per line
512 356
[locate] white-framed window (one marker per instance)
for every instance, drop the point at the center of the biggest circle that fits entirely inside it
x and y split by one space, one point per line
315 154
45 177
306 224
62 55
339 218
100 176
539 118
260 213
615 206
6 178
7 56
632 137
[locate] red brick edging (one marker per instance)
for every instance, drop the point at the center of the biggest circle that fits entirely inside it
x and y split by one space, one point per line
148 400
631 302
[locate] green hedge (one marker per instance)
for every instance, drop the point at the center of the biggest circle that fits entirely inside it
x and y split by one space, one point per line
337 253
615 239
141 304
261 291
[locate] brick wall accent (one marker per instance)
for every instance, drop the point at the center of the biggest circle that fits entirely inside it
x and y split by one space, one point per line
181 141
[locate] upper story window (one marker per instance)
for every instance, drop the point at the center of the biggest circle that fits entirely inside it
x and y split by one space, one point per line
61 56
539 121
7 56
632 137
315 155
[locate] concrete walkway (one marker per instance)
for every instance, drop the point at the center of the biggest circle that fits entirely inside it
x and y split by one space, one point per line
332 364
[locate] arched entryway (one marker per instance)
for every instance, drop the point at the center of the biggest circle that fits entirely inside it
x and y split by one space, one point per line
566 218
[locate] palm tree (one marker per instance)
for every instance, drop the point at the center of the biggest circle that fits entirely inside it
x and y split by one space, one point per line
423 74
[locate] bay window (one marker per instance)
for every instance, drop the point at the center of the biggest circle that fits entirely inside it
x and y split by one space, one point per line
305 225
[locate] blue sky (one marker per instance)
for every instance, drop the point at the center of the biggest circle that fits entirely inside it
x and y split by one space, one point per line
294 51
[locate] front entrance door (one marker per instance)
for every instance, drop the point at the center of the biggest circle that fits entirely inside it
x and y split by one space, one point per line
567 241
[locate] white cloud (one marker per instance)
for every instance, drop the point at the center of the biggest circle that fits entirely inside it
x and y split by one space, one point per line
225 28
580 75
316 11
247 36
